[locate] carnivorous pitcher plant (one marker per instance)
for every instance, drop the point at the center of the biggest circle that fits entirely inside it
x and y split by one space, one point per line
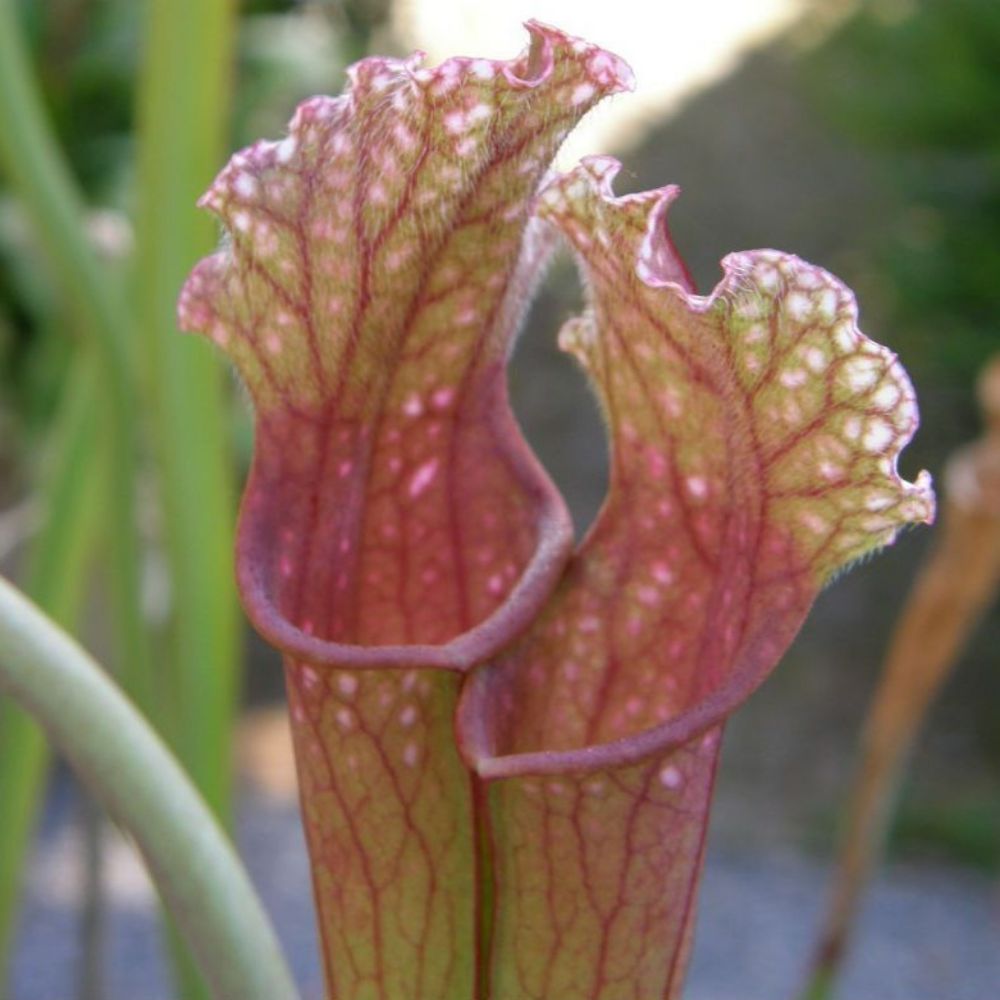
506 747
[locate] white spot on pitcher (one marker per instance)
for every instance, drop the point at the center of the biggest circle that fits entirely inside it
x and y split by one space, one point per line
671 777
423 477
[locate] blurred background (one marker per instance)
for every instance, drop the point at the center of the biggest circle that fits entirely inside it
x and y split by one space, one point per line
863 136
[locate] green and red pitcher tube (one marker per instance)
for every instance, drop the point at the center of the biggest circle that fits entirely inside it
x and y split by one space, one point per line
506 746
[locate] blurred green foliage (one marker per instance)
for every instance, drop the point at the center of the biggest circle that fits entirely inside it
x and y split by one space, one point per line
915 85
87 56
919 82
108 138
965 831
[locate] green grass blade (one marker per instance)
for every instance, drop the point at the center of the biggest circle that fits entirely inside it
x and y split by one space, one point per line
144 788
71 497
820 987
38 175
183 112
182 124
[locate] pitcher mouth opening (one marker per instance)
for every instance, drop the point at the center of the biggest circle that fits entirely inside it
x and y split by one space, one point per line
255 570
483 751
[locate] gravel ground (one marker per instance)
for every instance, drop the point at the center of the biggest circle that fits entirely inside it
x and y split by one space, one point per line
927 933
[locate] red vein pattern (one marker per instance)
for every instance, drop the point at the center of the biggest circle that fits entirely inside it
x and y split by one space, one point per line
754 442
379 261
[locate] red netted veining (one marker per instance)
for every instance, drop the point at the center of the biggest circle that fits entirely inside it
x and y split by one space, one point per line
397 533
379 261
754 439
